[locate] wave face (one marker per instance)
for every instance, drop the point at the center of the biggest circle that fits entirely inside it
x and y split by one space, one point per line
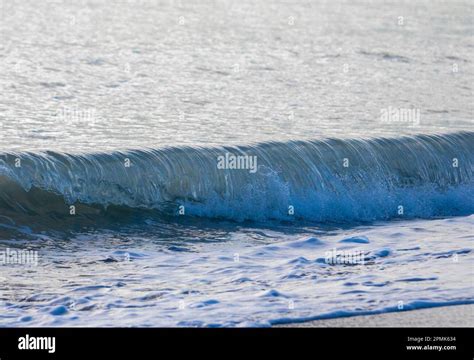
330 180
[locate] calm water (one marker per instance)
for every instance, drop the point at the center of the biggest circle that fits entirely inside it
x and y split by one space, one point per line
359 116
122 74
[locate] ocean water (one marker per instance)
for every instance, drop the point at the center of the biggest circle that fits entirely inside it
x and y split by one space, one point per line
119 120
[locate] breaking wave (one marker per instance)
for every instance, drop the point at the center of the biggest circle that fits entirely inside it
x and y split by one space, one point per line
331 180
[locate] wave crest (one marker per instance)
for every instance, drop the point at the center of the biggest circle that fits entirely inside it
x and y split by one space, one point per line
321 180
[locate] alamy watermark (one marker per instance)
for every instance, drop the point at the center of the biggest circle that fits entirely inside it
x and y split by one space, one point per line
410 117
349 257
76 115
237 162
18 257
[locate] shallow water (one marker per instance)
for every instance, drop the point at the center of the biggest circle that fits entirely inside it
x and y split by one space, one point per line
238 275
112 121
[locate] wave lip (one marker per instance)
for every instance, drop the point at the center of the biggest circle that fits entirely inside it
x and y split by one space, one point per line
321 180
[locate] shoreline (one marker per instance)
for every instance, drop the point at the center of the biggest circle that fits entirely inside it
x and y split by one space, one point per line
442 316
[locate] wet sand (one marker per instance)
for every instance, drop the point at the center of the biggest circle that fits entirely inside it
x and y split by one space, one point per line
446 316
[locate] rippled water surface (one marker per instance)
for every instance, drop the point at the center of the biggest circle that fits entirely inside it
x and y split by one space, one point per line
121 74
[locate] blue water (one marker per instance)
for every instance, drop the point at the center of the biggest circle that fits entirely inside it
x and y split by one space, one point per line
114 121
236 255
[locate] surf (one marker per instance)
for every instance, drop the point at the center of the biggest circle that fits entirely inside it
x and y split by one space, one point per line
329 180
